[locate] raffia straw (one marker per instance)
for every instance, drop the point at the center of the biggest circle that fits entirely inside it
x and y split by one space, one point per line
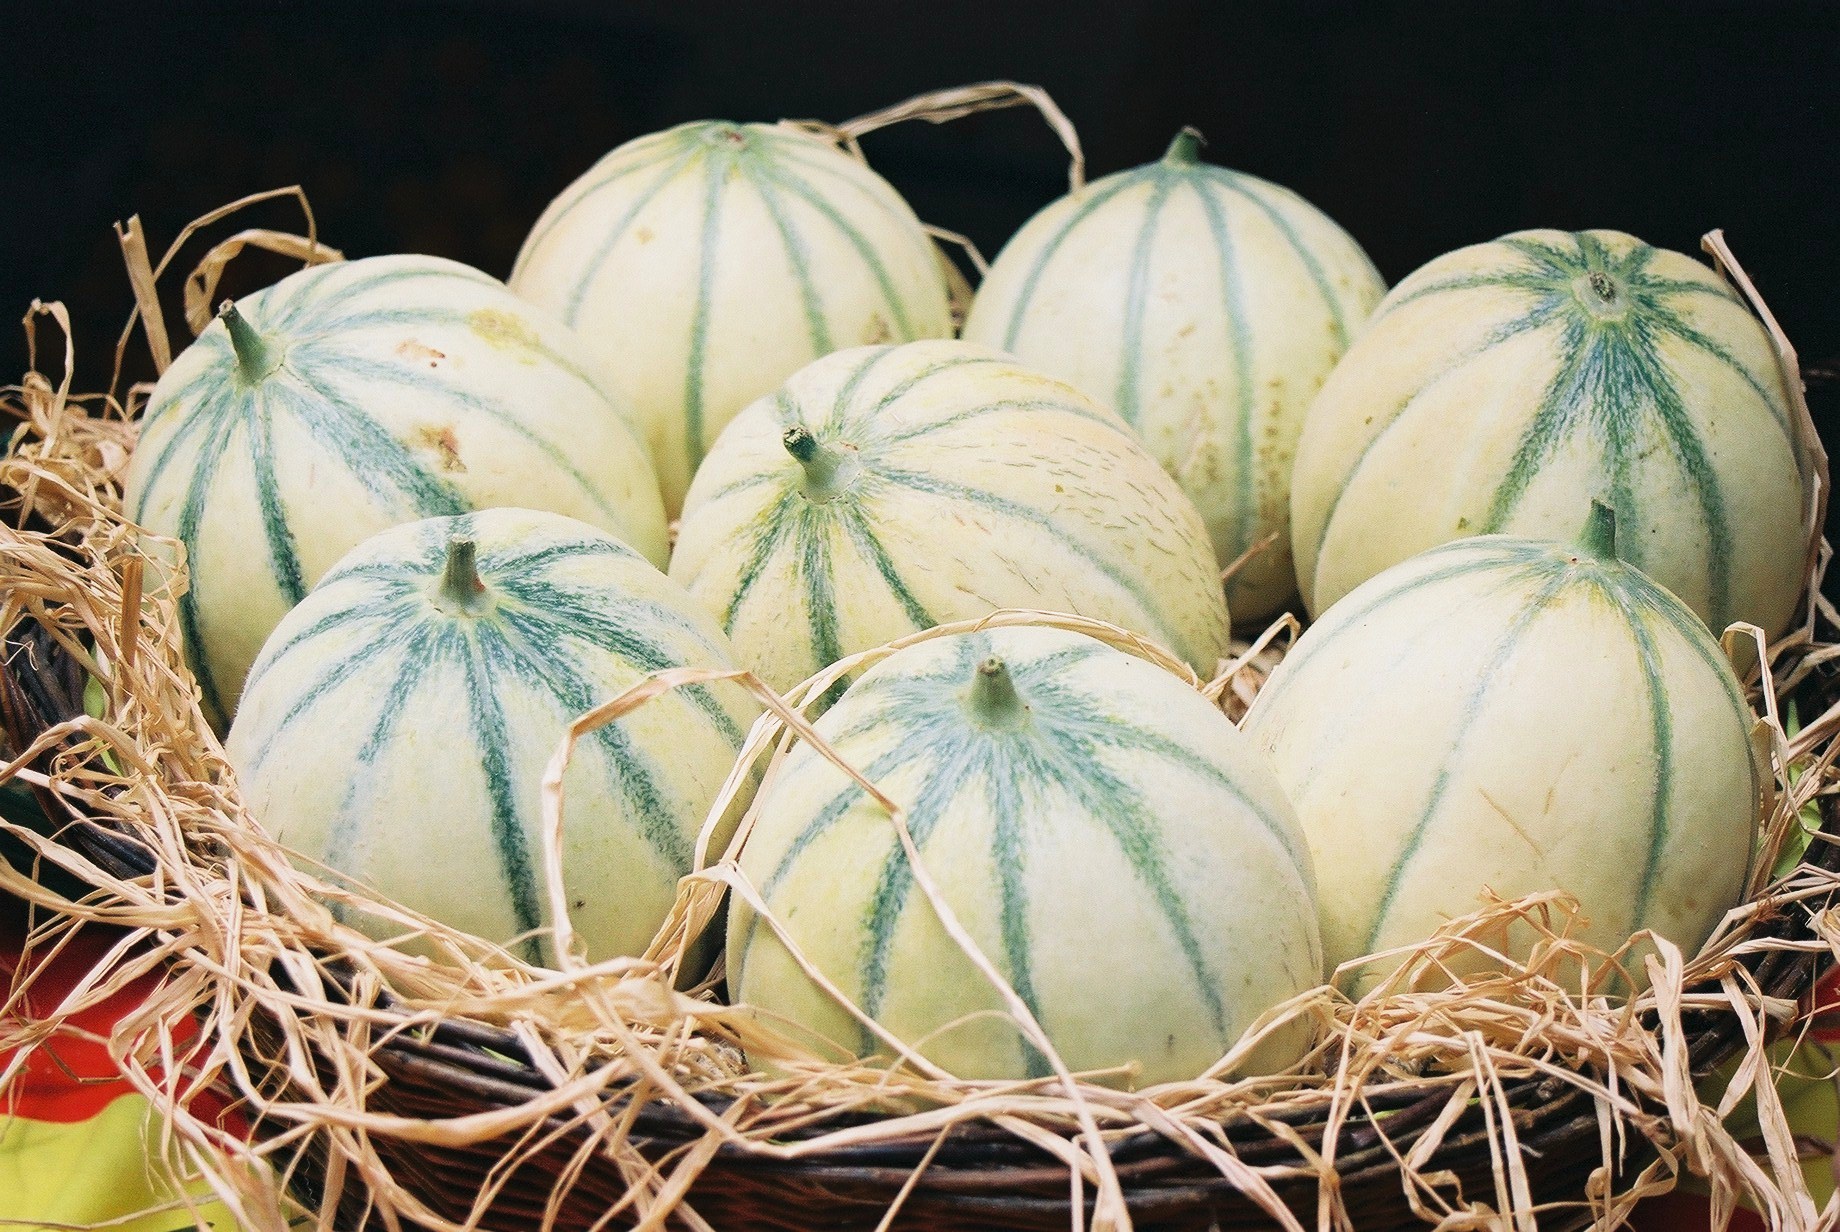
142 280
1258 549
335 1109
202 282
1812 453
295 1009
1241 677
964 244
1109 1212
1514 1176
944 106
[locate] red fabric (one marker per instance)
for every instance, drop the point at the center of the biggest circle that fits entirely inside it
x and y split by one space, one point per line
72 1078
1688 1212
1825 1010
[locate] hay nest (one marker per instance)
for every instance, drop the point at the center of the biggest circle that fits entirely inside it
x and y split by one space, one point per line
472 1090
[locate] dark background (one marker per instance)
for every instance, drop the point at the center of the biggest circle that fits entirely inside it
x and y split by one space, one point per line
445 128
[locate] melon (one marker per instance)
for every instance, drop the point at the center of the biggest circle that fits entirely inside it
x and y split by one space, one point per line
398 724
1120 853
707 263
1206 307
1504 386
1520 716
352 397
888 489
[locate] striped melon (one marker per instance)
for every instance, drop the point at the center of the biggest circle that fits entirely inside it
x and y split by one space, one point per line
1119 852
709 262
1206 307
1521 715
398 724
889 489
356 396
1503 386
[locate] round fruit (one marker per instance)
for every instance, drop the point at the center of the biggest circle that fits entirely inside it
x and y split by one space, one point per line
708 263
1118 851
398 724
1504 386
351 397
889 489
1520 715
1206 307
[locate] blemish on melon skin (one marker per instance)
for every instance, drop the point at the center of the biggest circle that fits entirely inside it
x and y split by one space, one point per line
506 331
417 353
443 441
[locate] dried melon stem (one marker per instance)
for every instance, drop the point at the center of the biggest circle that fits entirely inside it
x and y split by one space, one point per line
1185 149
461 590
828 469
256 356
994 701
1598 538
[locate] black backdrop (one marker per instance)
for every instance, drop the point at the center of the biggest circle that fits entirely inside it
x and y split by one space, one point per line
445 128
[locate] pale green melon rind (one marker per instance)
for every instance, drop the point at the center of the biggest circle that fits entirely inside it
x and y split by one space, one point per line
1228 201
1469 709
1239 339
571 308
543 630
778 175
1161 177
1097 195
1548 577
1137 291
1609 380
708 248
209 411
776 166
787 529
1066 762
628 160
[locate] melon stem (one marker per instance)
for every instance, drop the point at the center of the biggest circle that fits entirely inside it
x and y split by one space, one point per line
256 356
461 587
1598 538
1185 149
994 700
827 468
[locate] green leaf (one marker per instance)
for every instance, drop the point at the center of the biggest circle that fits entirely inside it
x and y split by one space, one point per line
1808 820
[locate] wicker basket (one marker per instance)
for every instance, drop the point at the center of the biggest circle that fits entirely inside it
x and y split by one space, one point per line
979 1176
1399 1151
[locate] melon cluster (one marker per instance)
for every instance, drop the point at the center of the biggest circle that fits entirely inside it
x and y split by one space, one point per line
425 519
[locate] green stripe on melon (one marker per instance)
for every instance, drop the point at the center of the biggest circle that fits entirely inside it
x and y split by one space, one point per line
356 396
1207 306
705 264
398 724
1502 386
886 490
1520 715
1092 821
